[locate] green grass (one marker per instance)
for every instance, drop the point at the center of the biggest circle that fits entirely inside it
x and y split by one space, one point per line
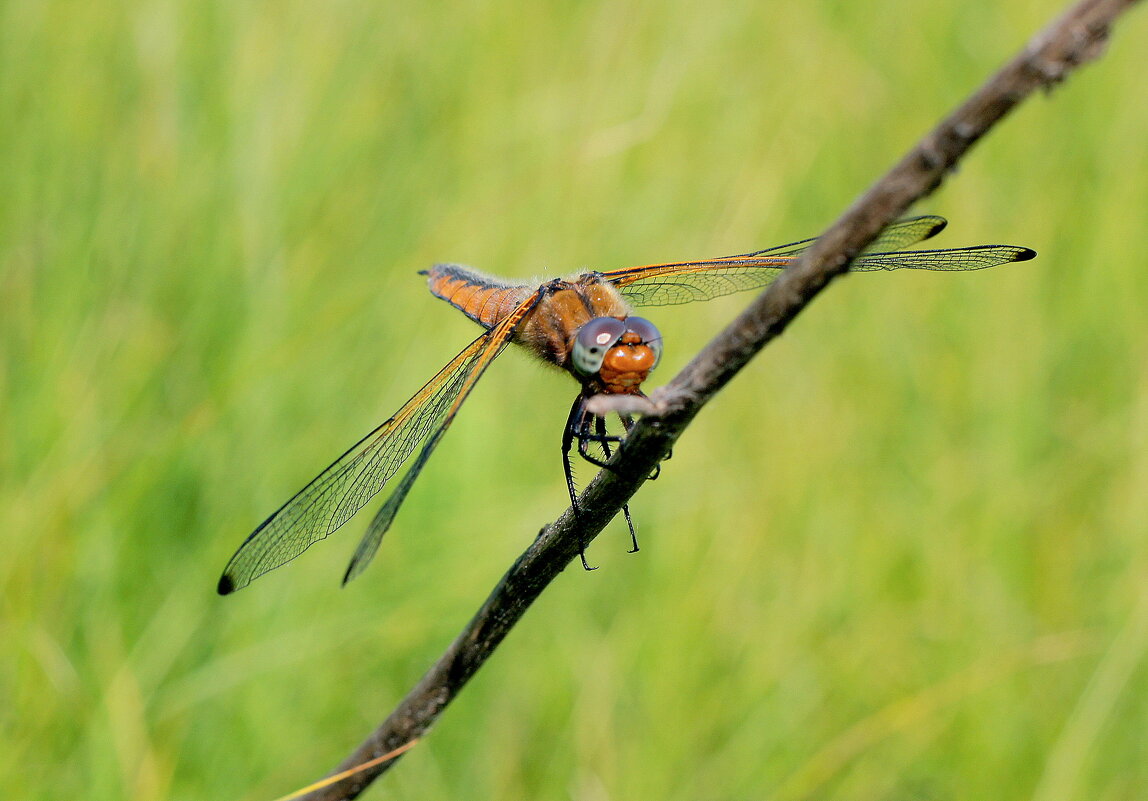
903 556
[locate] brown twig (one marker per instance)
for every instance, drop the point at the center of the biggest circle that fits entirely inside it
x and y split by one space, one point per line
1077 37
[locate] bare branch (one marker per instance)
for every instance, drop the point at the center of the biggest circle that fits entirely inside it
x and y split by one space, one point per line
1078 36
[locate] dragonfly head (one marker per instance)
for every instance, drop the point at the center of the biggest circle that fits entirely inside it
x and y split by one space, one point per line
615 354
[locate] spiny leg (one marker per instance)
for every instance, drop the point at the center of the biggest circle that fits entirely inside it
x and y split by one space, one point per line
574 423
600 429
584 436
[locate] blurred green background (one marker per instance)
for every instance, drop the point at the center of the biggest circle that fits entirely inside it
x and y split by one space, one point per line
903 556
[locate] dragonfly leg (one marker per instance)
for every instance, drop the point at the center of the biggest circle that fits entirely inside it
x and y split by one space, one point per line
600 428
583 443
585 436
573 423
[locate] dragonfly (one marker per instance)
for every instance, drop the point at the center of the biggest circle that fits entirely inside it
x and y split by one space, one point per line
581 324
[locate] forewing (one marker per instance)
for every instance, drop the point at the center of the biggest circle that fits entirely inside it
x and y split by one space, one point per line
909 231
896 236
354 478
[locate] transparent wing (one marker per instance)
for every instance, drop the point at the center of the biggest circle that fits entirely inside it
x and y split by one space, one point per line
355 477
685 282
977 257
496 339
897 235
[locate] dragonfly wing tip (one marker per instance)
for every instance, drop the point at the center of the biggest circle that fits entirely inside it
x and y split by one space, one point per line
353 570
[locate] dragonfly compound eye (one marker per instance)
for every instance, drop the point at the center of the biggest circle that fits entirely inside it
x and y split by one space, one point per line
592 342
649 333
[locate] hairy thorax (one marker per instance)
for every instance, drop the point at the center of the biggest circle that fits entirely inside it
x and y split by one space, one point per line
548 331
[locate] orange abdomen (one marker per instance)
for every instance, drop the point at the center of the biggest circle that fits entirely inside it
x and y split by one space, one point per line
482 298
